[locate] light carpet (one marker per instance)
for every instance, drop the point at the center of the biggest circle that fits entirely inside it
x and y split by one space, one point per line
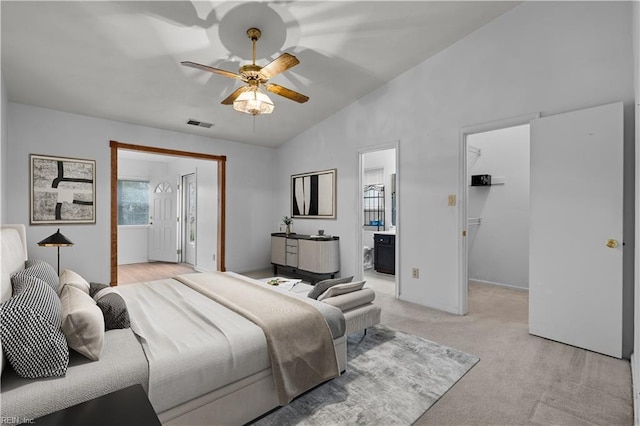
392 378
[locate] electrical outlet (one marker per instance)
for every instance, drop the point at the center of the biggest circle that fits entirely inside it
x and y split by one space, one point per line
214 257
415 273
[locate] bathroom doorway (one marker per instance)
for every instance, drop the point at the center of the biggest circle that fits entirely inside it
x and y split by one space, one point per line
379 219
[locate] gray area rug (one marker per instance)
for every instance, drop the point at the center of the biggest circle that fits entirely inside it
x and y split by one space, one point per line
392 378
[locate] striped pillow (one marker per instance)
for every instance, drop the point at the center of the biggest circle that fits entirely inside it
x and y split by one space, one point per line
42 270
324 285
37 269
30 332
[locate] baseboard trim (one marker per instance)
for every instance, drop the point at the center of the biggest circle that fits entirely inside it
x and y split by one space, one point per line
636 391
512 287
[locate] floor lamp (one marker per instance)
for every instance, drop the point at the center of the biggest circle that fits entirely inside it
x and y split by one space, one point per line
56 240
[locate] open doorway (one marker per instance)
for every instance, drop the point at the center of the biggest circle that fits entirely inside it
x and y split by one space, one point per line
495 160
213 230
498 218
378 231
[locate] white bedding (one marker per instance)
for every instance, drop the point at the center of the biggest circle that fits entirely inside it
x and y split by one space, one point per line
193 344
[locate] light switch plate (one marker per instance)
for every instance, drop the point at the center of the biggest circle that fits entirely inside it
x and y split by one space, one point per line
452 200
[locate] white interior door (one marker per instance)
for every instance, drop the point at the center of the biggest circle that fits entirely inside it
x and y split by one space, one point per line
190 218
575 281
162 220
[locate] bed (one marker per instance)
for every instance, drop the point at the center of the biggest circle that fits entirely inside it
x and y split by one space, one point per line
201 355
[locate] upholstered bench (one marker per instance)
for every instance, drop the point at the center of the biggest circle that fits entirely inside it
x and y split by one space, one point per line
357 307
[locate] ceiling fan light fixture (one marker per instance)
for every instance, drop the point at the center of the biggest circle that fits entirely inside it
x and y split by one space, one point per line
253 102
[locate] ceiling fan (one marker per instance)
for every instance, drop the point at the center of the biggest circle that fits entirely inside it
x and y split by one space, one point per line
250 99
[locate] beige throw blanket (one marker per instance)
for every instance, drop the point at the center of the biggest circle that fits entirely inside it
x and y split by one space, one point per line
299 340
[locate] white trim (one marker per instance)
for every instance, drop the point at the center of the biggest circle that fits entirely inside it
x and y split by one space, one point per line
635 390
495 284
463 190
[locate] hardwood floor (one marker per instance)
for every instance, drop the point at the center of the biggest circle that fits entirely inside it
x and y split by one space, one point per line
151 271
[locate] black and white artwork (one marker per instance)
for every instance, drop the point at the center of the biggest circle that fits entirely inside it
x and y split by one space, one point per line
313 195
62 190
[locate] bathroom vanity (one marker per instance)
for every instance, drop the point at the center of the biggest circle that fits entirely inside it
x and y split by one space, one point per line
384 252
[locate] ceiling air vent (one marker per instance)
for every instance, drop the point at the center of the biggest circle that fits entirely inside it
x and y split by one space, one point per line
199 123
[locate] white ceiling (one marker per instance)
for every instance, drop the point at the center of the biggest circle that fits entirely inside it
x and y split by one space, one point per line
121 60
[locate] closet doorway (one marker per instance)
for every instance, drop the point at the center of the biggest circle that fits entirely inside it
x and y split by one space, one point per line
495 162
378 231
498 217
214 228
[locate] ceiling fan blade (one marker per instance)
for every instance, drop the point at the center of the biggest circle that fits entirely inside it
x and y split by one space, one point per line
232 97
210 69
287 93
278 65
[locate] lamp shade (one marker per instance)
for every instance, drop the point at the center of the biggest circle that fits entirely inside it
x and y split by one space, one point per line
55 240
253 102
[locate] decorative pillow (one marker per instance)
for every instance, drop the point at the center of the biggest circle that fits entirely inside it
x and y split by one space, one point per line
82 322
324 285
20 282
112 305
339 289
68 277
30 332
42 270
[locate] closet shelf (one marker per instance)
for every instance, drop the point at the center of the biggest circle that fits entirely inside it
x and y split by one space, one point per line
474 220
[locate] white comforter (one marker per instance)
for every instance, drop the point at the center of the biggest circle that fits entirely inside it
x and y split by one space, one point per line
191 353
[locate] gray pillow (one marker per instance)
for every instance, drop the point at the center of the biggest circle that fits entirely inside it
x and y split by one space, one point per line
322 286
30 332
112 305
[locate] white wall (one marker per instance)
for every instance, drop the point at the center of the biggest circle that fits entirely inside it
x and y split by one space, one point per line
546 57
4 136
43 131
635 364
499 246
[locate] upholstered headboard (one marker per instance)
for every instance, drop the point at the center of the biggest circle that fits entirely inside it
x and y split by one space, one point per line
14 252
13 239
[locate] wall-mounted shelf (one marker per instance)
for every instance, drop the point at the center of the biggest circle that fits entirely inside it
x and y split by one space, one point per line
493 180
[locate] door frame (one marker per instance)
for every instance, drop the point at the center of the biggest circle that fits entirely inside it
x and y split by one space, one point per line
463 247
221 159
183 217
360 217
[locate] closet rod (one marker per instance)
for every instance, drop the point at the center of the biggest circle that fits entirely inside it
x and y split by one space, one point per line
473 149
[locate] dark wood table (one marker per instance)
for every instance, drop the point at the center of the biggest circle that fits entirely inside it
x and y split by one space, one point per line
128 406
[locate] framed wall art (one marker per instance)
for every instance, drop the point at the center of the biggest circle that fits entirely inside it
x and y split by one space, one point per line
313 195
63 190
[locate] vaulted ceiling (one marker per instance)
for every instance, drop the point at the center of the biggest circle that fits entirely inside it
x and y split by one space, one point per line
121 60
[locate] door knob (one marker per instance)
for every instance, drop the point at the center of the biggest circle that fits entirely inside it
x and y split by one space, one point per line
612 243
